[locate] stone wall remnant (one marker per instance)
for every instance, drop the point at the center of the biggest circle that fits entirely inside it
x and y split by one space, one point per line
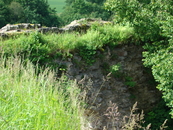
77 25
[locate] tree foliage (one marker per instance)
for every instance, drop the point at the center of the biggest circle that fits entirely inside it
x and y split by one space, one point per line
4 11
96 1
152 21
30 11
144 16
161 62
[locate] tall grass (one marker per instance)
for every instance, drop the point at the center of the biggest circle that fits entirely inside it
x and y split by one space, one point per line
65 41
33 101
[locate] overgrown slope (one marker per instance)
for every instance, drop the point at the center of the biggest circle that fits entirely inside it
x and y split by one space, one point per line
99 47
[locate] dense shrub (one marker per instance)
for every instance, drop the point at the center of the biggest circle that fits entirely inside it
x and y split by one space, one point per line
152 22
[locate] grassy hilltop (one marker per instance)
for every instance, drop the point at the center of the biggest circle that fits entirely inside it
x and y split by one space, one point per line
58 4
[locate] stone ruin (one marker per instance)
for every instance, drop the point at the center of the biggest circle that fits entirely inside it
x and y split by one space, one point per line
109 98
77 25
103 90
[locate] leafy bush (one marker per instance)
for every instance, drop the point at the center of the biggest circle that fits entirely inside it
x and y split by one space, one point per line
161 63
113 34
145 17
152 23
32 46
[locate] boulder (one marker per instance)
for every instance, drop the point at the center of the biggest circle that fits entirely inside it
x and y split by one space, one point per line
83 24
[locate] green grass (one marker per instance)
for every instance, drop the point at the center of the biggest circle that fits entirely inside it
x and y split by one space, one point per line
44 47
36 101
30 101
58 4
95 38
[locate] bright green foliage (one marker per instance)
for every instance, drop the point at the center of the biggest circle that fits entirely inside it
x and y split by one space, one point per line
33 102
115 70
42 48
112 34
99 36
161 63
153 24
33 47
146 17
160 58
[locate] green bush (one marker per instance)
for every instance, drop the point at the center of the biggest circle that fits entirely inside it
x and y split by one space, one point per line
30 46
152 22
113 34
161 63
145 17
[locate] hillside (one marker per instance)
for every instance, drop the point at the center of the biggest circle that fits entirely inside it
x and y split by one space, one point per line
58 4
102 65
86 74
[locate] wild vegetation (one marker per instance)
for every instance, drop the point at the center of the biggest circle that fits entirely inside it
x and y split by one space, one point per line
36 101
31 94
150 26
42 49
